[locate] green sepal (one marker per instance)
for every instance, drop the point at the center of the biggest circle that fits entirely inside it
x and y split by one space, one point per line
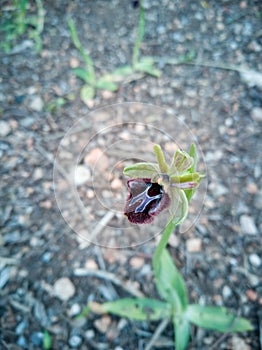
217 318
142 309
193 154
141 170
181 162
160 159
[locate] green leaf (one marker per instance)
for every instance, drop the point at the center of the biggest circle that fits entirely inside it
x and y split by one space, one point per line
142 309
146 65
217 318
47 341
87 93
118 74
182 332
84 313
188 57
142 170
106 85
74 35
169 282
82 74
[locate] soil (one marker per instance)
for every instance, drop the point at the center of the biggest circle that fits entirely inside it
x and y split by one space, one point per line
62 245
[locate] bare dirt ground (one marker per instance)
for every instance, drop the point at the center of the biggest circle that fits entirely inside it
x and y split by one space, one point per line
48 273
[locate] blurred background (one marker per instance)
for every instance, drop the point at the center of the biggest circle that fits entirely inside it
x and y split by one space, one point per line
63 64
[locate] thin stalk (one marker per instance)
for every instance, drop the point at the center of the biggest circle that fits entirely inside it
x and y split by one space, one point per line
169 229
21 8
140 35
78 45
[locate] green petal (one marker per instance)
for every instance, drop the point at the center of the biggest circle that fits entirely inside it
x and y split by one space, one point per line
181 162
141 170
179 205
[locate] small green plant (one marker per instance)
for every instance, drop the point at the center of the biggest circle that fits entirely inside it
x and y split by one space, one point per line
154 187
55 105
47 340
110 81
88 74
18 22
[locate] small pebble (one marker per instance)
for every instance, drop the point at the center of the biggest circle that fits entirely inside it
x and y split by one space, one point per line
116 184
4 276
37 338
82 175
64 288
4 128
89 334
22 342
255 260
137 262
46 257
247 225
256 114
21 327
38 174
103 323
258 200
74 310
36 104
251 294
90 264
252 188
194 245
226 291
75 341
239 344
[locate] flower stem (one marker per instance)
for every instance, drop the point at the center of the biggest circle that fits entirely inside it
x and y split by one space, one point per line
169 229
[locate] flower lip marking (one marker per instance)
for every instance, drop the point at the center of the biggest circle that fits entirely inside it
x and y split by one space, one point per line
145 200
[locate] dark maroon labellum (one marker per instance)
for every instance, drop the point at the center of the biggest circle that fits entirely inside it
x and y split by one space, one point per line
144 201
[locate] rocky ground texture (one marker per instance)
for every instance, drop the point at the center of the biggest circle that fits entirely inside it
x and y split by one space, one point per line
47 273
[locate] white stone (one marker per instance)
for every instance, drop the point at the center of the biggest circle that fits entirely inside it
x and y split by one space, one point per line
75 341
36 104
226 292
247 224
5 128
38 173
252 78
193 245
74 310
256 114
82 175
239 344
255 260
64 289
